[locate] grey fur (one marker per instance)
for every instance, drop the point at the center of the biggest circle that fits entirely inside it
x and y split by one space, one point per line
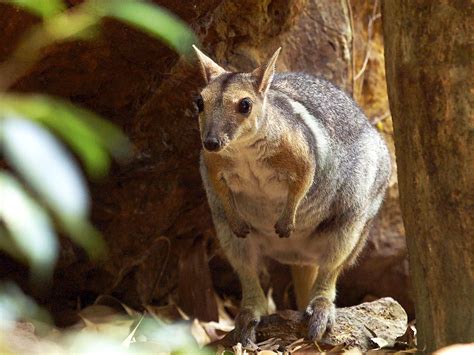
351 176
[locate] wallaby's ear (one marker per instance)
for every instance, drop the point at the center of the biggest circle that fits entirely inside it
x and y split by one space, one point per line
210 70
264 74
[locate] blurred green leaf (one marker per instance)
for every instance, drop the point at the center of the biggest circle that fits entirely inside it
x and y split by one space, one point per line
92 343
62 26
43 8
91 137
52 173
45 165
28 225
14 305
154 20
36 154
170 338
85 235
79 24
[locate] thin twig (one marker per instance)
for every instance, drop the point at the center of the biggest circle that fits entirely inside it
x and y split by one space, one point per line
353 53
163 267
380 118
370 30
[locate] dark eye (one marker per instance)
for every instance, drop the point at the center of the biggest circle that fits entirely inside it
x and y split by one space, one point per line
245 106
200 104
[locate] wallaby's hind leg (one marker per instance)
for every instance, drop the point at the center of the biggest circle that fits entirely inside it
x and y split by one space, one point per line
303 277
342 252
321 308
243 260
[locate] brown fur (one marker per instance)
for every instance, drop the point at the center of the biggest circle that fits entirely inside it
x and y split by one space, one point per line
216 164
292 158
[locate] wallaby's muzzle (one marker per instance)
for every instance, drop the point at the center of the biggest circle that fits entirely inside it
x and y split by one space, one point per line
212 144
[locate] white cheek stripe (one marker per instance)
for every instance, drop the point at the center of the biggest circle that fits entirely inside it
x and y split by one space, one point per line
316 128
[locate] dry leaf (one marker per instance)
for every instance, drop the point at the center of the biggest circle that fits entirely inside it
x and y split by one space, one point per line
380 342
409 338
106 320
169 313
238 349
128 340
199 333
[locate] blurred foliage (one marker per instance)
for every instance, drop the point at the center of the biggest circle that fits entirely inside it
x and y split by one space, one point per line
42 186
13 304
49 190
83 22
44 8
102 330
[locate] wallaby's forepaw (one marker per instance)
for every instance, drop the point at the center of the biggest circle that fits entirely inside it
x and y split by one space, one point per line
284 228
322 316
240 228
245 325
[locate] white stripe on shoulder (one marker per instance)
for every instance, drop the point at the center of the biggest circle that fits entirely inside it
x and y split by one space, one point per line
320 135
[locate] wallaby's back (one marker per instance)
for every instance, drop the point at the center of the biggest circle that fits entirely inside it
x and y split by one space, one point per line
354 161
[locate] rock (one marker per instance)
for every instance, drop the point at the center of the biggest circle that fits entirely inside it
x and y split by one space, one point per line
365 326
357 326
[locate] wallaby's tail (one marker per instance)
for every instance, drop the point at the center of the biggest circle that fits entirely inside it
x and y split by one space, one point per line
303 281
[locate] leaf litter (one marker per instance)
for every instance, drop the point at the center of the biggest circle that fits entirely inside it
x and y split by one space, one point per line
122 329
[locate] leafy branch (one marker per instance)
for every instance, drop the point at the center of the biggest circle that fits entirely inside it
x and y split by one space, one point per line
48 190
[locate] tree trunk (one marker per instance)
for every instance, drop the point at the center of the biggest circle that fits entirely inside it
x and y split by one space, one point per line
428 59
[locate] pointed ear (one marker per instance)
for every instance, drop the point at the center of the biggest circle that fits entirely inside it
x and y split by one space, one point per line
264 74
210 70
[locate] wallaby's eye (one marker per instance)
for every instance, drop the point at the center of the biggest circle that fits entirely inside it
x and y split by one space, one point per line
200 104
245 106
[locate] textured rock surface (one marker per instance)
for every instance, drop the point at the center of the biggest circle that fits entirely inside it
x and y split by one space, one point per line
146 89
355 327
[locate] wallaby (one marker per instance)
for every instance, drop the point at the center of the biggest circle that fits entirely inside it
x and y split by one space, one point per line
293 171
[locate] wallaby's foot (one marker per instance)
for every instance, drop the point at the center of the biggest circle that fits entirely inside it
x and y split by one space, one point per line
245 325
284 227
322 315
240 228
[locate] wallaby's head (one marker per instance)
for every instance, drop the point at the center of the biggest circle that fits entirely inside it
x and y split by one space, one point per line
231 105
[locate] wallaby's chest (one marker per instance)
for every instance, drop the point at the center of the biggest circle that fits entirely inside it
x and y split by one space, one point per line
259 191
250 176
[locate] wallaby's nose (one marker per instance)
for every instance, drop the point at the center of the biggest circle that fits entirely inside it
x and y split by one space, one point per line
211 144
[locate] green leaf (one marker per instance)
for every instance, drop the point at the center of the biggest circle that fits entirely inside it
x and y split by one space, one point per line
45 165
79 24
52 173
43 8
28 225
15 305
85 235
154 20
91 137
